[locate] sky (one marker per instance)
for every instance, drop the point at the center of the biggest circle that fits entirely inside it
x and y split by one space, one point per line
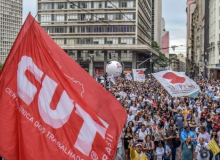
173 11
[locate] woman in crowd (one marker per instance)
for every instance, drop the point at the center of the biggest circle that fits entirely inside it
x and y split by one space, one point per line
127 136
148 147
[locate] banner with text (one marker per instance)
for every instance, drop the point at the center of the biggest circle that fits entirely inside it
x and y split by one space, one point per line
177 83
139 75
50 107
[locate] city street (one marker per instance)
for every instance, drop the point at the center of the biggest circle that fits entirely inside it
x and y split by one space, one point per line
109 79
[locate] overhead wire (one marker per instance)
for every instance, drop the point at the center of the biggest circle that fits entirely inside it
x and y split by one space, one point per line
104 21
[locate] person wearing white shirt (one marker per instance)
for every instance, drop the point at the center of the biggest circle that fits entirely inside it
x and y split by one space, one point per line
203 134
130 116
133 109
163 152
142 133
199 147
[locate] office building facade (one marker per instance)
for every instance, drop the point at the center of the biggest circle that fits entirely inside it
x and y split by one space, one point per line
156 21
94 32
10 24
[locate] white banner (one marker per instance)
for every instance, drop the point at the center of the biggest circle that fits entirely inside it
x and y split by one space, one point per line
177 83
139 74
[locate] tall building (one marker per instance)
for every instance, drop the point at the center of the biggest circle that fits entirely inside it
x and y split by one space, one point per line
182 62
94 32
10 24
197 39
178 62
191 5
156 21
206 38
175 62
213 60
165 39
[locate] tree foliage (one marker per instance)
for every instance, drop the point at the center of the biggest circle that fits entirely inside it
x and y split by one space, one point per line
1 66
161 60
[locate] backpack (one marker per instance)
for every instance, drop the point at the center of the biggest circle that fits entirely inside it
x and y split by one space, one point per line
203 152
176 142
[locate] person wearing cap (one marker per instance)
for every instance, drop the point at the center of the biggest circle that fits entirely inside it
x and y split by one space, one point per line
136 152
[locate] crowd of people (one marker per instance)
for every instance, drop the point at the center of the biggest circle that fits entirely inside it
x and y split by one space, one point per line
161 127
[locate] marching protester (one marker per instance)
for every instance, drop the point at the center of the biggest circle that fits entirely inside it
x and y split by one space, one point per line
136 152
170 135
202 150
161 122
187 150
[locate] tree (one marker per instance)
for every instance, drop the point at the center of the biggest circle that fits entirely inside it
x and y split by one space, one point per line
1 66
161 60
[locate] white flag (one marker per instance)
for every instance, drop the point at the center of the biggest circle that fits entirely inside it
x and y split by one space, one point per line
139 74
177 84
128 76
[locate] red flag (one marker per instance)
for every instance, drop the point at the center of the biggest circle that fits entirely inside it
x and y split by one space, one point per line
50 108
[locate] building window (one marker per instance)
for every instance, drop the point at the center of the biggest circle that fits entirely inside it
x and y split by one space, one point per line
124 4
98 40
72 17
59 5
128 16
99 4
59 18
127 40
112 40
99 17
112 4
45 18
45 6
72 29
59 30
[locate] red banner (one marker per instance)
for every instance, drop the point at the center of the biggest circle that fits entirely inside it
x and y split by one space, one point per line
50 108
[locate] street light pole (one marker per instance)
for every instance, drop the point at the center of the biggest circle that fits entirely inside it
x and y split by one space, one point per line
143 62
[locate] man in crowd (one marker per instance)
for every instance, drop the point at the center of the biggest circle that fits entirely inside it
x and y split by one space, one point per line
187 150
136 152
186 133
179 119
169 137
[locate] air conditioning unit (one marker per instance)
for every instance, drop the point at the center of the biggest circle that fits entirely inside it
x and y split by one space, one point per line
109 42
110 7
101 18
